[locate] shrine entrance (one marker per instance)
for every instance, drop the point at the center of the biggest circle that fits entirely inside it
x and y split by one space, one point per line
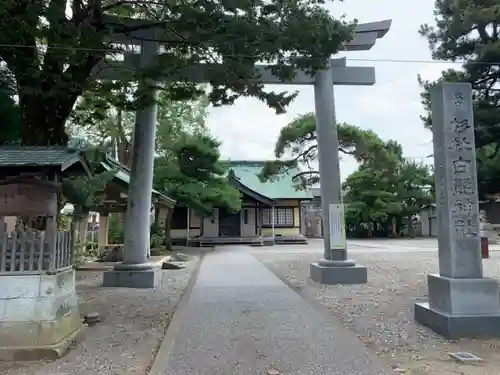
229 223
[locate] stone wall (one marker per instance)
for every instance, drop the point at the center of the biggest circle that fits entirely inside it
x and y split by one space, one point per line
37 311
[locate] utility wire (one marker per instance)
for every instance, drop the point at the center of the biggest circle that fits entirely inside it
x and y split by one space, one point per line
396 61
384 60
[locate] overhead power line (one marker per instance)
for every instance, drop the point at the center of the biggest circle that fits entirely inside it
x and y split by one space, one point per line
376 60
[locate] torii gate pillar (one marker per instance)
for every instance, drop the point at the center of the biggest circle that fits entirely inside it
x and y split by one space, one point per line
335 268
135 271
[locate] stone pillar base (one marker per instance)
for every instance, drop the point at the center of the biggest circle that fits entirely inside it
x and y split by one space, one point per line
461 307
454 327
338 272
39 316
134 278
41 352
268 241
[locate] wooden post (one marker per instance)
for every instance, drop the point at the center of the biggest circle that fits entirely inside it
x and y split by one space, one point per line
30 239
50 234
188 225
102 241
3 246
261 220
272 220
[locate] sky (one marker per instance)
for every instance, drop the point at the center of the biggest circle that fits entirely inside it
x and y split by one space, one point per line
391 108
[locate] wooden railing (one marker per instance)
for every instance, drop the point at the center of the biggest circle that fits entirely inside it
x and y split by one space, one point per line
34 251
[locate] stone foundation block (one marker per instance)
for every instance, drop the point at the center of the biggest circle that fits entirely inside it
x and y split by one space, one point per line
461 307
338 275
22 353
463 296
54 331
455 326
132 279
39 315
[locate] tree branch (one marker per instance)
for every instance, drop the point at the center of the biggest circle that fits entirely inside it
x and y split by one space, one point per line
344 151
481 29
19 30
132 3
77 8
306 152
55 55
305 173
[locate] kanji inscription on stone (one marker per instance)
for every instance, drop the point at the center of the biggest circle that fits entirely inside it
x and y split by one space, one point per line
456 180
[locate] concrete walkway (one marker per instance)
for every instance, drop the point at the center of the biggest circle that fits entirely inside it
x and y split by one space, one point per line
241 319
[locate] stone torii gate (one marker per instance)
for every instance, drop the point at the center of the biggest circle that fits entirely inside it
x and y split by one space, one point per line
135 270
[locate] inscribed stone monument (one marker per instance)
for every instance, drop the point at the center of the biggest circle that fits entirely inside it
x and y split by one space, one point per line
461 302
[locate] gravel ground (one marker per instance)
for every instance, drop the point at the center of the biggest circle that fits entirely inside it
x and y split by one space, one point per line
133 324
381 312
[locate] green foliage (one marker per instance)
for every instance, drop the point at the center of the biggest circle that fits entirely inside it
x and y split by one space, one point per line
368 197
115 230
9 110
103 119
156 235
298 142
188 166
85 192
179 117
289 34
9 117
376 193
79 255
385 185
194 177
97 115
63 222
468 30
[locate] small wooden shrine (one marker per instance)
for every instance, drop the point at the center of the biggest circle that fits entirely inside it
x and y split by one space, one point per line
38 298
116 201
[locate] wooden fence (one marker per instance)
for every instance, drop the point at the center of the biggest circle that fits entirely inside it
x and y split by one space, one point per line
33 251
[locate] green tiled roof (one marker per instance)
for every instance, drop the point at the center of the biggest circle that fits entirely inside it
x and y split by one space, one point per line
247 173
17 156
123 175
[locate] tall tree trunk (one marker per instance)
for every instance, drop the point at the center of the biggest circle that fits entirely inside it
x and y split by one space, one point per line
43 120
121 141
168 230
47 95
73 228
83 228
124 153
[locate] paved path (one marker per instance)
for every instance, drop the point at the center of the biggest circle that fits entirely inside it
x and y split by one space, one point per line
355 246
241 319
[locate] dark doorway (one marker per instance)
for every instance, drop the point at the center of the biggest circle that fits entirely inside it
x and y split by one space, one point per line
229 224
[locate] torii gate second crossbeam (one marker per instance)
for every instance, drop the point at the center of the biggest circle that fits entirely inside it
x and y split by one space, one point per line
335 268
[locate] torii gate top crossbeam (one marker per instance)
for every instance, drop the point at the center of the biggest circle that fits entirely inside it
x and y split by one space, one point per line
134 32
342 74
365 35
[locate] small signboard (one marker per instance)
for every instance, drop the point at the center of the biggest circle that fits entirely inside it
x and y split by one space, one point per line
337 226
